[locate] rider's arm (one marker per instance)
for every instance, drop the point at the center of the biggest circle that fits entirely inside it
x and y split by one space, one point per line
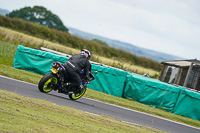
87 68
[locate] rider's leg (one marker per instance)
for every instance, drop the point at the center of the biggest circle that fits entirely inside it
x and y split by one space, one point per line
75 79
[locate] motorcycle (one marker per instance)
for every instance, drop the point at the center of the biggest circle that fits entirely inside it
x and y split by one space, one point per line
58 80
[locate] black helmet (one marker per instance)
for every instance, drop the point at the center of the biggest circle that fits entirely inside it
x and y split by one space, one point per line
86 51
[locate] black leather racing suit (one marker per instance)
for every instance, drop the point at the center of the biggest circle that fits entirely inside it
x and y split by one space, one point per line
74 66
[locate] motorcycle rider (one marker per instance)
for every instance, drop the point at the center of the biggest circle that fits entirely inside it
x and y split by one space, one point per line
75 64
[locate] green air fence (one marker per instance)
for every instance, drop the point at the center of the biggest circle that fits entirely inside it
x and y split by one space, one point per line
35 61
188 104
119 83
108 80
151 92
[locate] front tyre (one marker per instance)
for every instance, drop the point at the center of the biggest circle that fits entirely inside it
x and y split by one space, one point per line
77 95
47 82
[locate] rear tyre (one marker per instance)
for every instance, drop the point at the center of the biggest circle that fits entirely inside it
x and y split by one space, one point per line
77 95
47 82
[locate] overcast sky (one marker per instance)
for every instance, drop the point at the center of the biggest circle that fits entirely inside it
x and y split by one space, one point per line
169 26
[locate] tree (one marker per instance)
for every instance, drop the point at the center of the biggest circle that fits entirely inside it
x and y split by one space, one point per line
40 15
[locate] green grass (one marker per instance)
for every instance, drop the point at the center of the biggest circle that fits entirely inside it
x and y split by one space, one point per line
22 114
7 52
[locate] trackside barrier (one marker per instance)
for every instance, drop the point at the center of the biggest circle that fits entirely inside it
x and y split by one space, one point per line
188 104
151 92
108 80
119 83
35 61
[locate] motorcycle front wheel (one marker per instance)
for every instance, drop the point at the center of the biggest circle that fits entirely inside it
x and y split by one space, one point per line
47 82
77 95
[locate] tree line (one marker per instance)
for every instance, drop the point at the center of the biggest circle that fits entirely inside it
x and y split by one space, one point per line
69 40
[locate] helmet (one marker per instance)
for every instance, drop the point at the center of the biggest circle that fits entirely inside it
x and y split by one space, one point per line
86 51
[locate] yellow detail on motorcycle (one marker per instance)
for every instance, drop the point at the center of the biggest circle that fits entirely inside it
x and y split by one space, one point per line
54 70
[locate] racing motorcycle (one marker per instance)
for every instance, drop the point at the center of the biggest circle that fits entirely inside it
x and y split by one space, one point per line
58 80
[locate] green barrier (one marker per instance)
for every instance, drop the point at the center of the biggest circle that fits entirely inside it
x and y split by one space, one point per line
108 80
35 61
158 94
188 104
151 92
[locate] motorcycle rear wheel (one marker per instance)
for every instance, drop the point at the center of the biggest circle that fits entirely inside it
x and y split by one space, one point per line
47 81
74 96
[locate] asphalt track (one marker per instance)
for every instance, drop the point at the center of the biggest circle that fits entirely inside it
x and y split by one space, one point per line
96 107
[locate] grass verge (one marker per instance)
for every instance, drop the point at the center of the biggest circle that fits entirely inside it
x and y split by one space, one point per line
22 114
6 69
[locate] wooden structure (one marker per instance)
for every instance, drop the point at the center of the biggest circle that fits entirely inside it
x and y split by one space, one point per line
182 72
